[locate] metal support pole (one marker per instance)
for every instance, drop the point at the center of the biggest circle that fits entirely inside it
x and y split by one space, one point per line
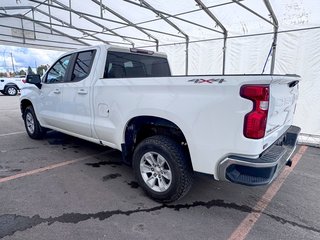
71 26
225 32
34 25
275 34
13 70
23 36
101 9
149 7
253 12
224 52
20 16
187 55
50 18
126 20
70 11
167 15
109 20
94 22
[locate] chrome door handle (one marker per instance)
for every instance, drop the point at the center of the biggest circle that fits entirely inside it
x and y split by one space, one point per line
57 91
82 91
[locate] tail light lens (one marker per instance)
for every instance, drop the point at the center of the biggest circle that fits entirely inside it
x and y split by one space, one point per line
24 80
255 122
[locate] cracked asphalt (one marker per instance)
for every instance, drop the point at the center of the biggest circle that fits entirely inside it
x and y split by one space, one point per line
96 197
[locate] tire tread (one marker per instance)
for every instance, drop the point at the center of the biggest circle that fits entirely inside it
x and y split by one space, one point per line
180 158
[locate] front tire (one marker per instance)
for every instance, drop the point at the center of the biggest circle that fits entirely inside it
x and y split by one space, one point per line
161 168
33 127
11 90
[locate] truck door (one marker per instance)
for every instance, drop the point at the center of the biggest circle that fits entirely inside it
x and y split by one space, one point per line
76 108
50 101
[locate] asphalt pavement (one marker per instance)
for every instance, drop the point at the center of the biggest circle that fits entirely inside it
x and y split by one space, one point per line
62 187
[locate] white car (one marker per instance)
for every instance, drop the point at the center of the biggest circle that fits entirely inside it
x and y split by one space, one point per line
11 86
236 128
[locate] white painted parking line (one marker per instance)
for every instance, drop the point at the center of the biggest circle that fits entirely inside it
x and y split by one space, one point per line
50 167
247 224
9 134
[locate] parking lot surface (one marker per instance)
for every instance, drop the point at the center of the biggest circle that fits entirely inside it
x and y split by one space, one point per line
66 188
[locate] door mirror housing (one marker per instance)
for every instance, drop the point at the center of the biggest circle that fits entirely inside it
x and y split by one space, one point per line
34 79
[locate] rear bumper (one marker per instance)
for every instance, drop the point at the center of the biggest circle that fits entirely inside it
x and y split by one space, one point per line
262 170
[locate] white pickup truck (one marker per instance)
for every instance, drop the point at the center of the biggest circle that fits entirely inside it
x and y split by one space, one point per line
236 128
11 86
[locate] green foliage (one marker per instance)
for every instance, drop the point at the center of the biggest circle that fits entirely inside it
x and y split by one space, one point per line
41 69
22 72
30 70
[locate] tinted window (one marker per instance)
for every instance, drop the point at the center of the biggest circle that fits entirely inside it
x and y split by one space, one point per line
82 65
129 65
58 71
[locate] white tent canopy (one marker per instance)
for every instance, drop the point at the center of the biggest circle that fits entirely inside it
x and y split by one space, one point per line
199 36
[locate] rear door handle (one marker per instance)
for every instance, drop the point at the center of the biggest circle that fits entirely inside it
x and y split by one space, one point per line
57 91
82 92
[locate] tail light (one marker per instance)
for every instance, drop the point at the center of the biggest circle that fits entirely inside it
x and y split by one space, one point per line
255 122
24 80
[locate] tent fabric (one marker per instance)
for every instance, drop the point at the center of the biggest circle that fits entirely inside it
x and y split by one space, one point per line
32 23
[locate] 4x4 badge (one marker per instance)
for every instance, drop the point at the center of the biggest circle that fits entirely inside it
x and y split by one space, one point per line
211 80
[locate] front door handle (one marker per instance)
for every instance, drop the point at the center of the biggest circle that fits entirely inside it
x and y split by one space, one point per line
57 91
82 92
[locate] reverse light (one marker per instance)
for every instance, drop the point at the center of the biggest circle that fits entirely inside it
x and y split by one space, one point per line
255 122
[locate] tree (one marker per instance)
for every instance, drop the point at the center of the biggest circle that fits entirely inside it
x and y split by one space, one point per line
22 72
41 69
30 70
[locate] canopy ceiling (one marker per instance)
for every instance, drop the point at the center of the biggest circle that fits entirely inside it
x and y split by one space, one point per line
49 23
68 24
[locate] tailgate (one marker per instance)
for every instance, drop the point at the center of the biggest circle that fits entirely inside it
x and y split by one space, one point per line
282 105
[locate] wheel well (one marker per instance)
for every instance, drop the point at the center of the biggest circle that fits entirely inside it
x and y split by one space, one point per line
10 85
143 127
24 104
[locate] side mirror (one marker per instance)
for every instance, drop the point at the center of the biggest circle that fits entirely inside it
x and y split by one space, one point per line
34 79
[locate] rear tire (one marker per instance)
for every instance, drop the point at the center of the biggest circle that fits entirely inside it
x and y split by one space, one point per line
161 168
33 127
11 90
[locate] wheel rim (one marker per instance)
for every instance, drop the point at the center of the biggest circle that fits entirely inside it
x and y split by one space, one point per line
30 122
12 91
155 171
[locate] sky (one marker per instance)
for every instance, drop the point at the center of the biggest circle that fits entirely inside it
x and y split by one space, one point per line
24 57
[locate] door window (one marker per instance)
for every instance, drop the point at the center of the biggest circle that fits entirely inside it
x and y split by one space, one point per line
58 71
82 65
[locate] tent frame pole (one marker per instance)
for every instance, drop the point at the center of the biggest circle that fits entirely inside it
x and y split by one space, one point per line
148 6
275 34
127 21
225 32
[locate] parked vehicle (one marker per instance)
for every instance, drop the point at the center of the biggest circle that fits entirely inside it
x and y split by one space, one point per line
236 128
11 86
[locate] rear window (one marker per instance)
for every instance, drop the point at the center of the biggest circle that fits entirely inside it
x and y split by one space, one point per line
82 65
129 65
